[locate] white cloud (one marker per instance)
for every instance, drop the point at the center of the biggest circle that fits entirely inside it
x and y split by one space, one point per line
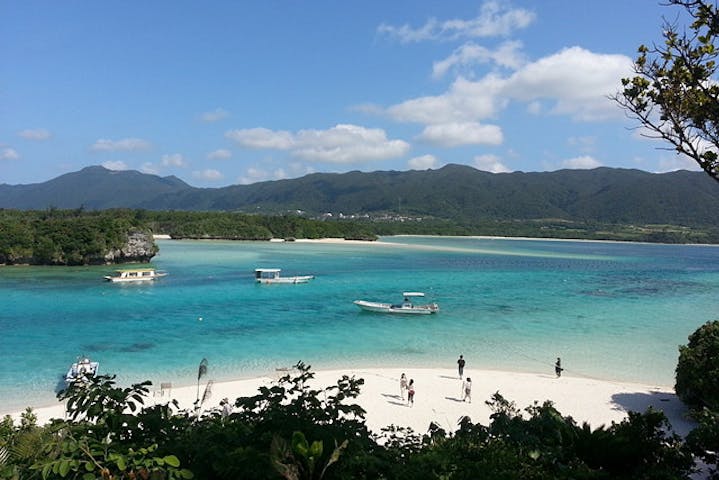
148 167
422 163
221 154
457 134
676 162
115 165
254 175
38 134
577 80
292 170
490 163
494 19
173 160
214 116
508 55
573 82
534 108
466 101
262 138
347 144
124 145
208 174
339 144
9 154
583 162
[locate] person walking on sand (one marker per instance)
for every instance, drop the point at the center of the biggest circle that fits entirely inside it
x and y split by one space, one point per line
402 385
558 367
410 392
460 366
467 390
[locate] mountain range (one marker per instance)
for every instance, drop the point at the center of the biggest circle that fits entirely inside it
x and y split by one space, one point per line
455 192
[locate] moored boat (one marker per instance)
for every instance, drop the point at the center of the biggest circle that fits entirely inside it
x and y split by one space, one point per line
406 307
273 275
135 275
81 370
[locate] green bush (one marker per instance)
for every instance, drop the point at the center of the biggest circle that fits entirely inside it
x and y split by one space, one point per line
697 374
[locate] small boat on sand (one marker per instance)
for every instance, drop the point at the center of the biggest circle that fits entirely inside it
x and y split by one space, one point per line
135 275
272 275
406 307
81 370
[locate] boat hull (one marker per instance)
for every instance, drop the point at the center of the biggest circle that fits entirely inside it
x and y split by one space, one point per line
297 279
146 278
398 309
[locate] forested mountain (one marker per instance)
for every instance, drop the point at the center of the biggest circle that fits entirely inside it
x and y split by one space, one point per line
95 188
455 192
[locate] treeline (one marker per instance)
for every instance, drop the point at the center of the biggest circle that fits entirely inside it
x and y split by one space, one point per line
80 237
552 229
242 226
64 237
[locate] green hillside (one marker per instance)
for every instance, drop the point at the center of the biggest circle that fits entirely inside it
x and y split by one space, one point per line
458 193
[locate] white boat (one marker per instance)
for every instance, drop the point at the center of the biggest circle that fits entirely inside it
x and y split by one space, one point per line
406 307
272 275
81 370
135 275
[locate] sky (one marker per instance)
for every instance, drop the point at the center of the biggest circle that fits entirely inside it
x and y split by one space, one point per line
221 93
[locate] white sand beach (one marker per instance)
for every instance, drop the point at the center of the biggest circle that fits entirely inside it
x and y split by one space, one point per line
438 397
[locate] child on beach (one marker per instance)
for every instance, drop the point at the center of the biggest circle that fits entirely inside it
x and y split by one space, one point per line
410 392
402 385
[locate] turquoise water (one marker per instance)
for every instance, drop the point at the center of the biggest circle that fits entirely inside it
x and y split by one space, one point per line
610 310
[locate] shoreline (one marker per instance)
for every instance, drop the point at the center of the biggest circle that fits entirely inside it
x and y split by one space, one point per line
339 240
438 398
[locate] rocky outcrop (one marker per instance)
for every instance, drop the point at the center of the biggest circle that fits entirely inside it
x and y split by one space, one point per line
140 247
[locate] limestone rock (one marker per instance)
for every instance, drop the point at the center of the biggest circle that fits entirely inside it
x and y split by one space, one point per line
140 247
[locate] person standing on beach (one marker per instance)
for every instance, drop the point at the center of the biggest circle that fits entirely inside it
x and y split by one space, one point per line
410 392
402 385
460 366
467 390
558 367
226 407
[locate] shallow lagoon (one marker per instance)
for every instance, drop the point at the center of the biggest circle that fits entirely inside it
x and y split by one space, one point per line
615 311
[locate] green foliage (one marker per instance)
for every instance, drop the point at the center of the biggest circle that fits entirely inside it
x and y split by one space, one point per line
703 441
674 94
64 237
697 384
239 226
256 436
697 373
301 460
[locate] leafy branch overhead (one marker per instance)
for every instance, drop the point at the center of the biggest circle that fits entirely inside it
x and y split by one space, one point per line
674 95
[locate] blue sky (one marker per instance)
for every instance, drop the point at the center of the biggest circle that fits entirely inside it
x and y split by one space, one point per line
233 92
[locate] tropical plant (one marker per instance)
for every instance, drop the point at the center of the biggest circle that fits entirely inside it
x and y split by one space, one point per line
697 372
674 95
697 384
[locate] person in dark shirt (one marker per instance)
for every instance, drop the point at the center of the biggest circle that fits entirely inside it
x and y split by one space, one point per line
558 367
460 366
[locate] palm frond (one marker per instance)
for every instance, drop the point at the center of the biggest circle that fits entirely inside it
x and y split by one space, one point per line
202 370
